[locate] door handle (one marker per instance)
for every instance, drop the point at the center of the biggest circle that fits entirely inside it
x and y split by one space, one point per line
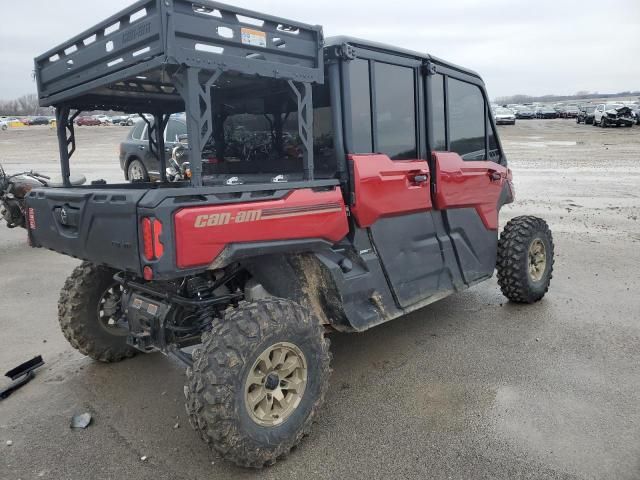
421 178
140 147
494 175
418 177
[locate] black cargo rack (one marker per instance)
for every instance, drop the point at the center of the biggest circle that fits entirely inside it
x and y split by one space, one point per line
165 56
137 50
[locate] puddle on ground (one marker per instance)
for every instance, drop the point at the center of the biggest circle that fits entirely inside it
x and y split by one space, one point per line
552 143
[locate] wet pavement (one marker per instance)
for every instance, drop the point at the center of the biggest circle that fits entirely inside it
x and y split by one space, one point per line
470 387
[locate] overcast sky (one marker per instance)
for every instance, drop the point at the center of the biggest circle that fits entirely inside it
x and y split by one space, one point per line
518 46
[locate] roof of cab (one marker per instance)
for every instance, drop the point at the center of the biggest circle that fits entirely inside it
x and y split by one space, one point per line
368 44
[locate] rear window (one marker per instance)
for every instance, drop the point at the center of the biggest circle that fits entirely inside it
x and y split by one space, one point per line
136 131
174 129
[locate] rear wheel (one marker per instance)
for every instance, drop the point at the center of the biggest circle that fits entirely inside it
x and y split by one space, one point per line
258 381
90 314
137 172
525 259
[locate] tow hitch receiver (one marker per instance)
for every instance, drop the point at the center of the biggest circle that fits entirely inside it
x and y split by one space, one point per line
146 320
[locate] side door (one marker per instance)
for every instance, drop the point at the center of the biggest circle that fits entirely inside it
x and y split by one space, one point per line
470 180
390 178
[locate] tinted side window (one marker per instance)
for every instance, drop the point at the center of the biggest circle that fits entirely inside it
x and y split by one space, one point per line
360 97
466 120
395 111
174 129
136 132
436 110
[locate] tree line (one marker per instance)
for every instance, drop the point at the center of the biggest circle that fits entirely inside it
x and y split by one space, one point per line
583 95
24 105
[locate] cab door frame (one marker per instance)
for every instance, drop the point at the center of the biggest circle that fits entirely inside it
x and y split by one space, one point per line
404 233
467 194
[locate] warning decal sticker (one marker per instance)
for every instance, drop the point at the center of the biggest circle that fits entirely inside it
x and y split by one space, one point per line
255 38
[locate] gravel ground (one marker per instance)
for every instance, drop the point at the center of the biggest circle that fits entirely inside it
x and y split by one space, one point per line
471 387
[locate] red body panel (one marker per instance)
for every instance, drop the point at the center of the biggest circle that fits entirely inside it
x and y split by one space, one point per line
475 184
384 187
202 233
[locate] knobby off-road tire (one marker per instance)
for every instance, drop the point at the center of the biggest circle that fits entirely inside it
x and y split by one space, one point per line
217 395
81 302
525 259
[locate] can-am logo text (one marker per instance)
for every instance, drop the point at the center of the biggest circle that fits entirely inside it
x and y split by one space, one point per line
217 219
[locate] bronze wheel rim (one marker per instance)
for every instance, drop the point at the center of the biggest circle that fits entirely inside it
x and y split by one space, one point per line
275 384
537 260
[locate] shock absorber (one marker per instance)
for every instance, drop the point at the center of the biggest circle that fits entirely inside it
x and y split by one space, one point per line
198 288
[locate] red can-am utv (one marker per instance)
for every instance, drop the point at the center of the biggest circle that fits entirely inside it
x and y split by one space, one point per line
351 182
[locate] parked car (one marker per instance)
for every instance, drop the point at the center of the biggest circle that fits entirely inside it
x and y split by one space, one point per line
585 115
525 113
136 161
613 115
546 112
571 111
11 122
504 116
87 121
103 119
119 120
636 112
39 121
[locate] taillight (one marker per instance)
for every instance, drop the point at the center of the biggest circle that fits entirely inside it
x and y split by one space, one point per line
158 248
151 231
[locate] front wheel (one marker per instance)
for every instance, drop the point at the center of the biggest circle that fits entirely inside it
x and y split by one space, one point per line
258 381
137 172
525 259
90 314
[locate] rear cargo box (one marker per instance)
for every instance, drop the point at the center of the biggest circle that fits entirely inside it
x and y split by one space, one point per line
140 48
100 226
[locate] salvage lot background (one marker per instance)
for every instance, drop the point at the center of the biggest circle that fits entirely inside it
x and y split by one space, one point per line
471 387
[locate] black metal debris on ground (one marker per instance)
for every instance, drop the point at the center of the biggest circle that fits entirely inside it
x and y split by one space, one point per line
21 375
